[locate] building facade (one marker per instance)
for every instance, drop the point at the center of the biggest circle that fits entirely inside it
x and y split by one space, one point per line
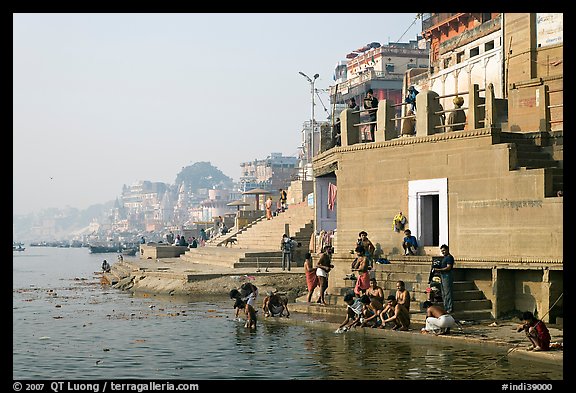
274 172
492 192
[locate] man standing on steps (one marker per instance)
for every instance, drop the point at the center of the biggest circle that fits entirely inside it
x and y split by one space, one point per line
447 276
286 245
283 199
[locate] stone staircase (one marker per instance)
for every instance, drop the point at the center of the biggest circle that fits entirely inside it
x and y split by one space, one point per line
470 303
266 234
258 245
536 151
118 271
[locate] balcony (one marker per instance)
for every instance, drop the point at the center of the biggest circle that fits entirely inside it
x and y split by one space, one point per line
364 77
435 19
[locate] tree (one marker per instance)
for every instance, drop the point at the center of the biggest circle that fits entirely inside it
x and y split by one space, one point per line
203 175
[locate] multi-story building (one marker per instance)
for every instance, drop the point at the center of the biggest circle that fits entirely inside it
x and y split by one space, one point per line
377 67
520 54
141 203
492 192
274 172
465 49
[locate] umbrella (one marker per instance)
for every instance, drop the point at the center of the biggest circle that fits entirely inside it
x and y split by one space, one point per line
257 192
238 204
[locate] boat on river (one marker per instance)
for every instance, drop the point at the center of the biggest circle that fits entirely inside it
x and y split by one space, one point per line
101 249
130 251
18 246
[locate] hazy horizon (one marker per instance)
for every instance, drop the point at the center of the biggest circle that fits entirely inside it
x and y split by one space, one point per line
102 100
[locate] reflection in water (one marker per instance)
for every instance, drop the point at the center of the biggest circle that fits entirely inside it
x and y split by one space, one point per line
98 332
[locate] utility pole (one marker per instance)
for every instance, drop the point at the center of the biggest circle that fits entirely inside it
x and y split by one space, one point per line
312 123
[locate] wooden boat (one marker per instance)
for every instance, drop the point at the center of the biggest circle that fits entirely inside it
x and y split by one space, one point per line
98 249
129 251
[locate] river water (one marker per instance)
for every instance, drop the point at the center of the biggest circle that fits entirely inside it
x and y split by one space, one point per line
66 325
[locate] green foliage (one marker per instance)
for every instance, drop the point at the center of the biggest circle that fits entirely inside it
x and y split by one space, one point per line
202 175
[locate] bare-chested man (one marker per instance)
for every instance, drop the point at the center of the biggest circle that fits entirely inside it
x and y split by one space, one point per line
402 295
375 291
401 316
275 305
438 321
371 314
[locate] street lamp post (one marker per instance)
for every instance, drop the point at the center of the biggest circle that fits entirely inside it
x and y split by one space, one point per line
312 123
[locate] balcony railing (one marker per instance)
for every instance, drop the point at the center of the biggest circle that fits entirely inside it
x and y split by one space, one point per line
365 77
435 19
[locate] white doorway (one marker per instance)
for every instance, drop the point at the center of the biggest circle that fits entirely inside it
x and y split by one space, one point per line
428 211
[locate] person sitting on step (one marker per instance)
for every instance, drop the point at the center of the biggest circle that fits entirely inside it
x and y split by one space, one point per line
409 243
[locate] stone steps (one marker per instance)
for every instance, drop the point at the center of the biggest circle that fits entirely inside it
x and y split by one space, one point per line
470 303
266 234
219 256
533 152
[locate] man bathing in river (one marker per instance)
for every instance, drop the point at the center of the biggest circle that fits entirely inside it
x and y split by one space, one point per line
241 304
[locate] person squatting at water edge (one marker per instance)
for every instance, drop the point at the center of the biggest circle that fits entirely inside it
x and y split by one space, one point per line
249 311
354 309
372 312
106 266
438 321
275 305
536 331
399 314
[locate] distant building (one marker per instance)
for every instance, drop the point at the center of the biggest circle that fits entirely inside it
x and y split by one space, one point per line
380 68
274 172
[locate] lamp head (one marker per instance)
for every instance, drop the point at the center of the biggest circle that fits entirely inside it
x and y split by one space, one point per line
305 76
316 76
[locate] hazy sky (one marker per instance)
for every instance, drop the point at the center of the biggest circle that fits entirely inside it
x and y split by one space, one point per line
101 100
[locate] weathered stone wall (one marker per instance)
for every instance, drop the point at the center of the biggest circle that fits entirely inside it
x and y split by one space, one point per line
496 216
493 211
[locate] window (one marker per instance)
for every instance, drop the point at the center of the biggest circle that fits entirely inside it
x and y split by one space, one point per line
474 51
389 67
459 57
488 46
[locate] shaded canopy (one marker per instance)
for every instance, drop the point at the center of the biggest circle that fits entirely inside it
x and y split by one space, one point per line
238 203
257 192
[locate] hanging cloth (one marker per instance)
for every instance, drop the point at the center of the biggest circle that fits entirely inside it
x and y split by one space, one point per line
332 189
